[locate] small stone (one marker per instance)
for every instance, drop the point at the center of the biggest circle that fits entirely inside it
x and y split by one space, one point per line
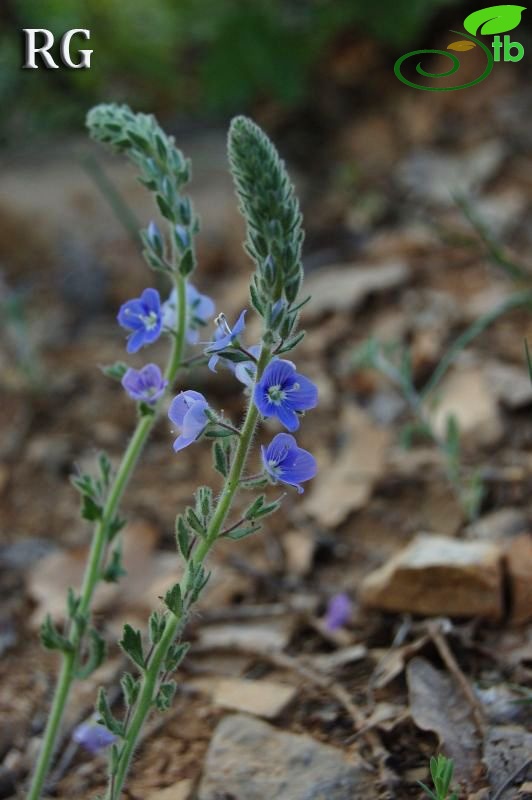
273 634
436 176
466 395
506 748
510 384
501 524
179 791
299 548
250 760
345 288
262 698
437 575
518 557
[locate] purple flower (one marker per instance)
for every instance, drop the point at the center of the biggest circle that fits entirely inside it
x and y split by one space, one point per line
200 308
282 392
224 337
339 609
143 317
284 461
146 384
187 411
92 736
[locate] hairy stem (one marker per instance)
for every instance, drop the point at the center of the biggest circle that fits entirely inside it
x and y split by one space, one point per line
97 556
175 623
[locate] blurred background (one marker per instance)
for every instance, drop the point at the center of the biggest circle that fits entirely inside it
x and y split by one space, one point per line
417 211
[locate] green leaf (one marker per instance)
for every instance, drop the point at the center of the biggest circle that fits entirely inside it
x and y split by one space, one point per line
174 601
165 695
96 655
194 522
51 639
242 533
495 19
114 569
73 601
186 265
115 371
105 468
528 360
165 208
219 433
114 527
131 644
111 722
183 538
156 626
90 510
220 461
130 688
175 656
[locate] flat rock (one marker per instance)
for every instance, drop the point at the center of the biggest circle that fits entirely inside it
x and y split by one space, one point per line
498 525
437 176
518 559
345 288
179 791
437 575
268 634
250 760
261 698
510 384
467 395
506 748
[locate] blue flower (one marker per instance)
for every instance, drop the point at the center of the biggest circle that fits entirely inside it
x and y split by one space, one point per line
187 411
339 610
282 392
284 461
200 308
245 371
145 385
93 736
143 317
224 337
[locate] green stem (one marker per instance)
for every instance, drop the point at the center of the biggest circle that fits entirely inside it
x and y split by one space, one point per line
173 623
97 555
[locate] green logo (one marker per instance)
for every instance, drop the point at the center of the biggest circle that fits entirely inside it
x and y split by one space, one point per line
490 21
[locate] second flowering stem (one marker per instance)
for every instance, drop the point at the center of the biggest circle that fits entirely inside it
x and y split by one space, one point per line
96 559
175 622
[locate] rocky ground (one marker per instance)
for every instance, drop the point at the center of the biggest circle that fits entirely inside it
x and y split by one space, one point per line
433 652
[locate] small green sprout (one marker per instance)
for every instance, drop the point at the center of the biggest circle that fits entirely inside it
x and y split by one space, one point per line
441 770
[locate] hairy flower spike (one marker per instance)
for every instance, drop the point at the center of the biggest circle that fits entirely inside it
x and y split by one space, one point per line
163 169
271 210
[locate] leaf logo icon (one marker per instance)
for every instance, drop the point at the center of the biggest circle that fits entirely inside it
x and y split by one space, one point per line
462 45
493 20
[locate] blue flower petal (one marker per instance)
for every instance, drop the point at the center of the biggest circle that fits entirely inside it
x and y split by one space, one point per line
240 324
135 341
302 468
305 396
195 420
151 300
287 417
183 441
